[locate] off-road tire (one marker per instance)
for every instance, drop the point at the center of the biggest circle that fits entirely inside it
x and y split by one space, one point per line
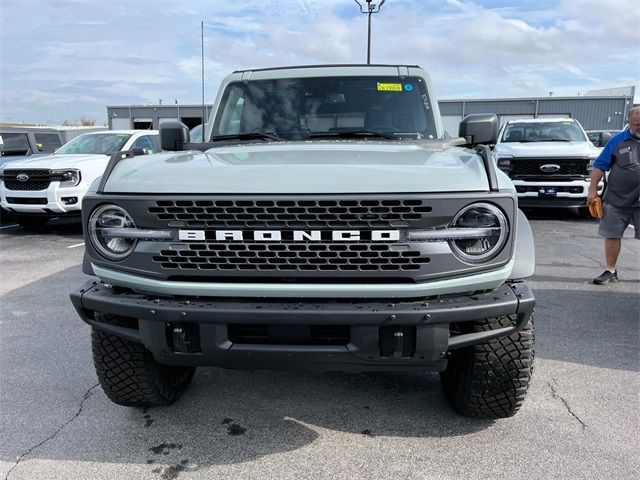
128 373
490 380
31 223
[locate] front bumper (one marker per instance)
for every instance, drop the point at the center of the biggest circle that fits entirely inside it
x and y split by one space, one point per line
47 202
563 199
426 322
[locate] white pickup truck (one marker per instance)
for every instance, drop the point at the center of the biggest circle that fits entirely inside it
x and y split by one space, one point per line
38 189
548 160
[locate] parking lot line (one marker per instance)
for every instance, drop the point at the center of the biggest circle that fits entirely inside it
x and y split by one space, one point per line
76 245
8 226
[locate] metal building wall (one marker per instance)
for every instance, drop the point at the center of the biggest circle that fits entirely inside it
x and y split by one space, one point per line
594 113
156 113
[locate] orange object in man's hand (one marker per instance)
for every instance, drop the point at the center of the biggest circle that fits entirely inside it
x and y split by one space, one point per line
595 208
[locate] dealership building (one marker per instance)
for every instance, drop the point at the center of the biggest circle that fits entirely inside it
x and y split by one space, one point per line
595 110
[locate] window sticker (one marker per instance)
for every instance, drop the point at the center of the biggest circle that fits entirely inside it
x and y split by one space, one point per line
408 87
389 87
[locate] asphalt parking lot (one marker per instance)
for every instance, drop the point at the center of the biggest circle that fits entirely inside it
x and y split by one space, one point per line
580 419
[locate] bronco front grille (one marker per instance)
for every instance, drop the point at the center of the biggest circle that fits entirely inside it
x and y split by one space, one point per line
531 166
38 179
291 257
275 214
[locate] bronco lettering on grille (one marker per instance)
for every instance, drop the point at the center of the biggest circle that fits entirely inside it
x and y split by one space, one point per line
291 235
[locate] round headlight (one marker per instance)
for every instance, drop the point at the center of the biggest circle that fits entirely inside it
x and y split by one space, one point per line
493 230
106 220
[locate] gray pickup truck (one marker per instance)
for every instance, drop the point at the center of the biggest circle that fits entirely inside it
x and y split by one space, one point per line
325 223
17 143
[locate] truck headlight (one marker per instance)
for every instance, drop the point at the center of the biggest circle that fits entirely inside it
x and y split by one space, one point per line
592 159
67 178
492 227
106 225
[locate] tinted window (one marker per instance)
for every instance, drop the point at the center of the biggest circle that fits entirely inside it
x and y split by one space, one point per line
47 142
294 106
15 144
95 143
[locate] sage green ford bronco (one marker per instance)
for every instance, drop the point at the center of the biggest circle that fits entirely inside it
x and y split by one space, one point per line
325 223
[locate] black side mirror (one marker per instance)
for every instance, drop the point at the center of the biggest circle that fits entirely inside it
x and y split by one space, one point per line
479 128
139 151
173 135
603 138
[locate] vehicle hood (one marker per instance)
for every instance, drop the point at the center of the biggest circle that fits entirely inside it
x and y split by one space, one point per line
546 149
304 168
57 161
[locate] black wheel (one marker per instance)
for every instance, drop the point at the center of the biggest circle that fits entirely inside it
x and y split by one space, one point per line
31 223
128 373
490 380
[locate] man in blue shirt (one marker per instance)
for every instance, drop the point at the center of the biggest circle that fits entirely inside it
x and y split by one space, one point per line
621 158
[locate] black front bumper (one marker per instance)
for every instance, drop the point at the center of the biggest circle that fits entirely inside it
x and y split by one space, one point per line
427 323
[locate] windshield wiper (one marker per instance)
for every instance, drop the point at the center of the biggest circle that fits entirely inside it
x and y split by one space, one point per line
248 136
353 133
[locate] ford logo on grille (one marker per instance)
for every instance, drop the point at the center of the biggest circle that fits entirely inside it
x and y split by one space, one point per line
23 177
550 168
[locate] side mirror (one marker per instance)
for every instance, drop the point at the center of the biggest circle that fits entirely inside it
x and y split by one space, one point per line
139 151
479 128
173 135
603 138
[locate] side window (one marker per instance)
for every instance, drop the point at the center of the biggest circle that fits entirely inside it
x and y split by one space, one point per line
15 144
230 120
47 142
144 142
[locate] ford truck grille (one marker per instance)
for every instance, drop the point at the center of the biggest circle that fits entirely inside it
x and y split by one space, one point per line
196 254
530 167
291 257
38 179
275 214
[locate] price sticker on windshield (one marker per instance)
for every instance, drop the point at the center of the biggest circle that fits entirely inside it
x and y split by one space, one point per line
389 87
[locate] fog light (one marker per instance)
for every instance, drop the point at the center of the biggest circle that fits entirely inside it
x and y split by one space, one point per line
69 200
576 189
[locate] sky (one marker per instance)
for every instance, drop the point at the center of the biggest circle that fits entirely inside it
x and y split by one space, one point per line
66 59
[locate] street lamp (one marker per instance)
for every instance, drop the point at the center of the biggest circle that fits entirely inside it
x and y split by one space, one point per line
370 9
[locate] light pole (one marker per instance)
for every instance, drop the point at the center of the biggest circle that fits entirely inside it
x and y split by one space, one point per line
370 9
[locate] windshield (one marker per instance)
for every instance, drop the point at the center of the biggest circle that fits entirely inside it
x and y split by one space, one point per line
298 108
195 134
561 131
95 143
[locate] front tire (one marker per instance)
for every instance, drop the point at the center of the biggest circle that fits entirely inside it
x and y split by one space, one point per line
490 380
128 373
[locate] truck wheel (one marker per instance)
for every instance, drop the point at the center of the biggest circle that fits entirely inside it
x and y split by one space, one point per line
31 223
490 380
128 373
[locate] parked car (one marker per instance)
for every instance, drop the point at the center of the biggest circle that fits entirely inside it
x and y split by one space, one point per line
326 224
20 142
549 161
599 138
35 190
